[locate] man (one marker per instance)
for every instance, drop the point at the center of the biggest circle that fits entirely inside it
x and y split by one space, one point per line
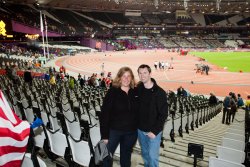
153 111
240 101
27 76
212 100
227 109
180 91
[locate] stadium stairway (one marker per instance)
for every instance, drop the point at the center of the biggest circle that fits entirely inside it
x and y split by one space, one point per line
175 154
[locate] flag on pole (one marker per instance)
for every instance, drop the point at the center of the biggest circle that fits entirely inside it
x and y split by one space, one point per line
41 22
14 135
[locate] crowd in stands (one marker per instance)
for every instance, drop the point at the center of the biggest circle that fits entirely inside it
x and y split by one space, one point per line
215 43
172 42
55 77
198 42
168 43
18 50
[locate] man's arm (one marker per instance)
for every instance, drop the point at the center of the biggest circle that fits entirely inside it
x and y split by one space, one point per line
162 112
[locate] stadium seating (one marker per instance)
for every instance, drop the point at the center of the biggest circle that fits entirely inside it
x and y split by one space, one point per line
27 161
216 162
230 154
71 126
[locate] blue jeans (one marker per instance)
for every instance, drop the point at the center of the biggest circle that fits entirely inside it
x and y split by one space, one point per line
127 141
150 148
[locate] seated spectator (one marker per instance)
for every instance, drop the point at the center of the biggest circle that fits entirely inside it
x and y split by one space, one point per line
181 91
52 80
212 100
58 78
79 77
71 82
103 83
82 82
240 101
27 76
47 77
14 75
67 76
62 76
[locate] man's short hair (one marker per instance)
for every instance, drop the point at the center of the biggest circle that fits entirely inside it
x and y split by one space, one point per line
144 66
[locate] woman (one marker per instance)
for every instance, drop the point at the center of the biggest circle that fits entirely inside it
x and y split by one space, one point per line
52 80
118 117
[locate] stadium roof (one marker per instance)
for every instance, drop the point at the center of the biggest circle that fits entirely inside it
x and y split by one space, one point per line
193 6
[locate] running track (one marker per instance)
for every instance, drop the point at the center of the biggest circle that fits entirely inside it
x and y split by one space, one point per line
219 81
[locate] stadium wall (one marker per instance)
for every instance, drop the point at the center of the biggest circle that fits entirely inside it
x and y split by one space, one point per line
22 28
95 44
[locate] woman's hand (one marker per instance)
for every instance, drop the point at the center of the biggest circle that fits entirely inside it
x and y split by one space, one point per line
106 141
151 135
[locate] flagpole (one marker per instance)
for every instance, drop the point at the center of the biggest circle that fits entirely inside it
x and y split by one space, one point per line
42 31
46 36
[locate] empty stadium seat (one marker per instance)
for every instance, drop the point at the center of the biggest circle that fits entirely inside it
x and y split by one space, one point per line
230 154
39 137
27 161
80 152
216 162
57 142
236 131
234 144
95 135
234 136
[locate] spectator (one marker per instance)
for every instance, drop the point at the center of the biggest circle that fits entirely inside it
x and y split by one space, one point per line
233 108
247 103
226 109
118 117
66 76
153 111
103 83
28 77
79 77
52 80
212 100
82 81
240 101
71 82
181 91
47 77
14 75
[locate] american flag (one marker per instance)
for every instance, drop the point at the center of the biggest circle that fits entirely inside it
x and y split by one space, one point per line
14 135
